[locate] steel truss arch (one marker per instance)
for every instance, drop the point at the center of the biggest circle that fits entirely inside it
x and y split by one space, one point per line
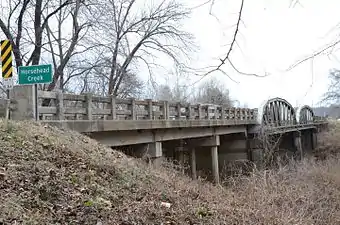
305 115
276 112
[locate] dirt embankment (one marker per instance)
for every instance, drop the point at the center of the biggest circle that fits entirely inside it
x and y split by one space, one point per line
51 176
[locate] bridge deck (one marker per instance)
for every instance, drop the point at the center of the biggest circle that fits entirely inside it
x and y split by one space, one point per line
123 125
131 125
285 129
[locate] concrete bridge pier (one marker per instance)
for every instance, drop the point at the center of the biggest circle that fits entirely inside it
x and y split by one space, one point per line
180 152
309 141
193 163
199 158
234 152
314 139
152 151
298 144
156 152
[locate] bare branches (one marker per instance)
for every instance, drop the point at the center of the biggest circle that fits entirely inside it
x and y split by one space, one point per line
213 92
315 54
234 37
227 58
333 93
134 30
105 46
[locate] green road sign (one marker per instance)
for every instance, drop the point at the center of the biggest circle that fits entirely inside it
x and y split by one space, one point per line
39 74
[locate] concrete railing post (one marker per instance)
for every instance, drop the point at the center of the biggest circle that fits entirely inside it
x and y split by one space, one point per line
217 112
206 113
178 109
222 112
133 109
200 115
60 106
190 115
150 109
88 106
113 108
165 110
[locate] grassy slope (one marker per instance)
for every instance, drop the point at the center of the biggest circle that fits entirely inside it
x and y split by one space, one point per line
50 176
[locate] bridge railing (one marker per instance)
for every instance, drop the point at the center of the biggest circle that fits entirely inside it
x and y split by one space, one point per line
89 107
317 119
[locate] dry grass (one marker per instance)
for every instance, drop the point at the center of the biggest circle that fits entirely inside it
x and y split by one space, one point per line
329 142
49 176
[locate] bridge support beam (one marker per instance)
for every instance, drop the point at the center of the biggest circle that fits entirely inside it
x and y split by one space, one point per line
298 144
152 151
180 152
156 153
212 142
193 163
314 139
214 158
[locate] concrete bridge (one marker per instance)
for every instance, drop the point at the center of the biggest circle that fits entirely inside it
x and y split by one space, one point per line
204 136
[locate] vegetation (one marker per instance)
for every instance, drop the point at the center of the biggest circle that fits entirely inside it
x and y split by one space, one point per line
102 46
52 176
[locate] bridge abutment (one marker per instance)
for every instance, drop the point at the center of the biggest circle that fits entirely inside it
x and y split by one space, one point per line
23 97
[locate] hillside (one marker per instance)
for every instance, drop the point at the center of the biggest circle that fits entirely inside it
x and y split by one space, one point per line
52 176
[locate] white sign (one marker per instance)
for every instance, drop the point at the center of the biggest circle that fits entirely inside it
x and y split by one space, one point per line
8 83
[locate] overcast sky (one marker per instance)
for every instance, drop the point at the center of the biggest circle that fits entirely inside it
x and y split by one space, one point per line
272 38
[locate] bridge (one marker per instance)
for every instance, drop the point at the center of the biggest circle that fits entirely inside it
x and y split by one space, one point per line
204 136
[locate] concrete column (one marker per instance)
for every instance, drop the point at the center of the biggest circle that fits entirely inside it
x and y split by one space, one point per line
156 153
212 143
214 158
152 151
155 149
193 163
180 152
314 139
297 143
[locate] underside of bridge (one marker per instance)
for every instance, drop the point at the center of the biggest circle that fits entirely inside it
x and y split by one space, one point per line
221 155
282 134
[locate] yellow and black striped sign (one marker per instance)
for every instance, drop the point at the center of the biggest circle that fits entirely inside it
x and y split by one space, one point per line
6 59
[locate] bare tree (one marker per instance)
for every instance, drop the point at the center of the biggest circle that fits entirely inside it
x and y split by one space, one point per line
213 92
62 47
333 93
164 93
131 86
175 89
33 15
132 34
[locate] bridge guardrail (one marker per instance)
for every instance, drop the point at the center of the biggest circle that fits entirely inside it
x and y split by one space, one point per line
88 107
